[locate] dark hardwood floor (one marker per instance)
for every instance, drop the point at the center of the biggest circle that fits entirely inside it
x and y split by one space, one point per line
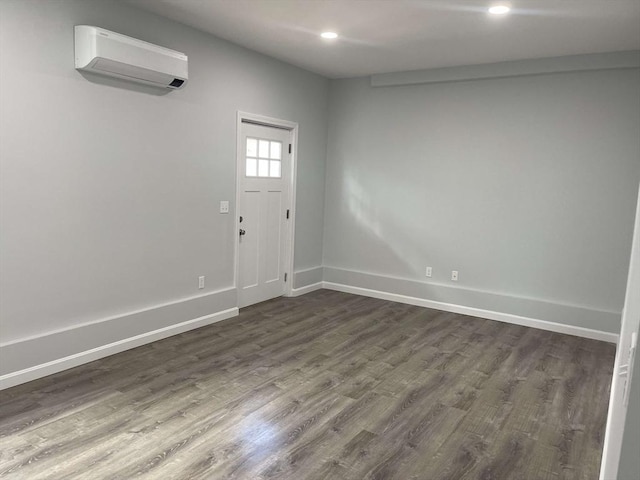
324 386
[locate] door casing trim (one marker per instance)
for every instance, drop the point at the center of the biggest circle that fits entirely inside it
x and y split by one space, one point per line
292 127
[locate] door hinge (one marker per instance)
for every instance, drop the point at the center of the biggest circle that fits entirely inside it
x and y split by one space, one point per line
627 369
285 277
289 148
287 214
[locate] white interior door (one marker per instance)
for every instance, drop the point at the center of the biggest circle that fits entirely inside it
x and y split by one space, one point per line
625 359
263 209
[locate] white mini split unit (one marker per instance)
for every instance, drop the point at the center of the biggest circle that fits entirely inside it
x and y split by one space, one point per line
107 53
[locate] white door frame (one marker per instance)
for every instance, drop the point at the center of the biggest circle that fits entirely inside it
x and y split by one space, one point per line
289 239
623 366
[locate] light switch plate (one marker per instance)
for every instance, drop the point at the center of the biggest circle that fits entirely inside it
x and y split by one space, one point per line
224 206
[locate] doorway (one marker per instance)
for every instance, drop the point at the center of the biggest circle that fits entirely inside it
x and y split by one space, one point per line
265 215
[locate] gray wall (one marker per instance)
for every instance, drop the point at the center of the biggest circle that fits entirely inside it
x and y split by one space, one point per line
110 191
525 185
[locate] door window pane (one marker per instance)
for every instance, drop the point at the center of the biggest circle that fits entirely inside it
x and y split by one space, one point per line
263 168
252 167
274 170
276 151
263 149
252 147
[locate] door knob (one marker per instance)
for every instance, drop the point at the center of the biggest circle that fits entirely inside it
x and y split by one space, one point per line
242 232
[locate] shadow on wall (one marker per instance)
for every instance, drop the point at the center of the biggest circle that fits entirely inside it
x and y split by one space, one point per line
405 249
364 215
366 218
124 84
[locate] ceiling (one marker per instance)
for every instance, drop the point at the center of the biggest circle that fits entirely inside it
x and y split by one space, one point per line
379 36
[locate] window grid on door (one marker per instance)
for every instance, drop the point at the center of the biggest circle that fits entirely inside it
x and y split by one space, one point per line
263 158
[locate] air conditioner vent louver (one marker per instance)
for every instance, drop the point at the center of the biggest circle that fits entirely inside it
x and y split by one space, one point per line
108 53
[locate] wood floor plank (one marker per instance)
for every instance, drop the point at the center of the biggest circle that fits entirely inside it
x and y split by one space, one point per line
323 386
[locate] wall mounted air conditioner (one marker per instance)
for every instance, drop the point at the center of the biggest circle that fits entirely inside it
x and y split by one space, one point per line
109 53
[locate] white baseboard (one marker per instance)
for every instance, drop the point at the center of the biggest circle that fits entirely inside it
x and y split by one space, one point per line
477 312
296 292
308 276
48 353
70 361
31 357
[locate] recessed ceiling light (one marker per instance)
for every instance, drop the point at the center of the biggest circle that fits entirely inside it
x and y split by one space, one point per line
329 35
499 10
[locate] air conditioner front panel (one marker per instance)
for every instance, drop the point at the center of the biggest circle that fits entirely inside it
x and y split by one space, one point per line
151 60
108 53
126 71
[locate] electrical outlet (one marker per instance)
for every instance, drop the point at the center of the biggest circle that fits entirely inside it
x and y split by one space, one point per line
201 282
429 272
224 206
454 275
